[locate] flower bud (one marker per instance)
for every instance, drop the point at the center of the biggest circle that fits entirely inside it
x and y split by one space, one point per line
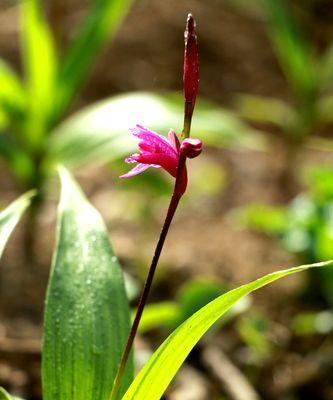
190 147
191 68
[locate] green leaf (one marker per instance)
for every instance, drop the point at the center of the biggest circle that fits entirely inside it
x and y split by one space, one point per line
156 375
10 216
12 96
100 133
195 294
156 315
40 68
87 317
100 24
6 396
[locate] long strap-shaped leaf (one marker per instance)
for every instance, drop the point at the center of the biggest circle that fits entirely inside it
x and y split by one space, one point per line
10 216
40 64
167 359
12 96
101 23
87 317
73 144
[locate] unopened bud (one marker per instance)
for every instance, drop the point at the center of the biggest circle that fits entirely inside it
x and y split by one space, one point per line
190 147
191 69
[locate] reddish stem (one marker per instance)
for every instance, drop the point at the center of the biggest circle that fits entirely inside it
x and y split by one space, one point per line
176 196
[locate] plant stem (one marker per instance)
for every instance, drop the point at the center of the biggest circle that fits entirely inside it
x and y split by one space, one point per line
187 119
176 196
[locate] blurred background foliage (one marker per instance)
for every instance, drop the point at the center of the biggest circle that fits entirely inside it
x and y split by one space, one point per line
74 76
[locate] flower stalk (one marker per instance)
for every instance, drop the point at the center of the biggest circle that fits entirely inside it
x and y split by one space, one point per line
156 151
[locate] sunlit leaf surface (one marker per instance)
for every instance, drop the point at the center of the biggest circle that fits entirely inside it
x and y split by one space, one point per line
10 216
40 65
87 317
12 96
100 133
156 375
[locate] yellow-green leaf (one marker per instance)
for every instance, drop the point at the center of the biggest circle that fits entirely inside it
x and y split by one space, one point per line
10 216
156 375
40 65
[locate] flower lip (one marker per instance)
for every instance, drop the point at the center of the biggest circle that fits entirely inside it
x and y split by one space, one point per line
156 151
191 147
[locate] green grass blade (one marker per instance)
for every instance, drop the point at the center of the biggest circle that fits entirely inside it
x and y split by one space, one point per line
10 216
168 358
87 317
100 132
39 58
12 95
100 24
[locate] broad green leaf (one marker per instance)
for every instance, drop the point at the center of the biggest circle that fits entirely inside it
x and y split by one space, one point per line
10 216
87 317
293 51
100 133
12 96
40 68
156 375
100 25
6 396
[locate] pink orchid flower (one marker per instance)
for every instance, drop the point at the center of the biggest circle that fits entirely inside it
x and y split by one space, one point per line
159 152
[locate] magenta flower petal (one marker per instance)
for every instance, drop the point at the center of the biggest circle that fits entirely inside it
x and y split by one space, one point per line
173 139
163 160
153 142
155 150
138 169
158 151
191 147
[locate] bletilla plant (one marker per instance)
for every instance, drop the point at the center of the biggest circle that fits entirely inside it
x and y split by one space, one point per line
156 151
87 341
